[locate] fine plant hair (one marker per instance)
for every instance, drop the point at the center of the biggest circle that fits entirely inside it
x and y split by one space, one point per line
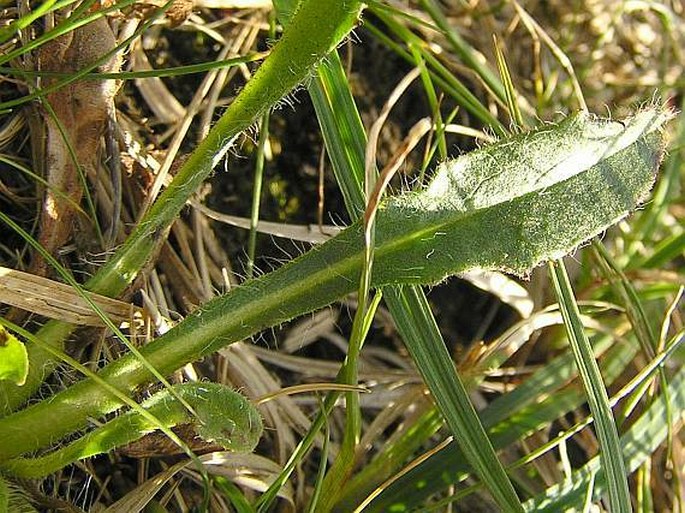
289 101
251 133
296 249
14 496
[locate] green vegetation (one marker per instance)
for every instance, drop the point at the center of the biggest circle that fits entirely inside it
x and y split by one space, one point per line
536 194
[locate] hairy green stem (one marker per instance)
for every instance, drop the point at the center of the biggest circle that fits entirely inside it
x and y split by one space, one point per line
316 28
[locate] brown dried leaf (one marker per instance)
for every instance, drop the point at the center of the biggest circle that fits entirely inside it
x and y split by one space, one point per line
81 109
58 301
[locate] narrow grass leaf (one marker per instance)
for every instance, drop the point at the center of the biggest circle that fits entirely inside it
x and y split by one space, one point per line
598 400
465 51
542 400
171 71
509 89
234 495
665 251
443 77
343 131
448 390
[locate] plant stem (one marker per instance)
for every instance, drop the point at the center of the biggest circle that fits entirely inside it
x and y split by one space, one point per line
316 28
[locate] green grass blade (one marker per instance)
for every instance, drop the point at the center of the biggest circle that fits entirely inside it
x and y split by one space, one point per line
442 76
393 456
233 494
66 26
466 52
598 400
257 194
644 331
447 468
643 438
343 131
539 401
443 381
25 21
665 251
172 71
511 100
407 305
321 472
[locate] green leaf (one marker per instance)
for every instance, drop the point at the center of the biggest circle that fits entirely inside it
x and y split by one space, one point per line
523 200
507 206
14 361
224 416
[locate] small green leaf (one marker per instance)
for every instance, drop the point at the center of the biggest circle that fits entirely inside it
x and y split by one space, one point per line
14 361
224 416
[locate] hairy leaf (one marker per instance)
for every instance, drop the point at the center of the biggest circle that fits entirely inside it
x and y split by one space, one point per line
224 416
507 207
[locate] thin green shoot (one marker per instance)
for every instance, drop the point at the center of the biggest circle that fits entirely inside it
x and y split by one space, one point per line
434 103
172 71
511 96
43 182
66 26
39 93
610 448
25 21
442 76
323 461
465 51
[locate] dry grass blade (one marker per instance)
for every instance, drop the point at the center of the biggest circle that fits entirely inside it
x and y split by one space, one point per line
564 61
415 463
164 105
249 470
137 499
311 233
56 300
